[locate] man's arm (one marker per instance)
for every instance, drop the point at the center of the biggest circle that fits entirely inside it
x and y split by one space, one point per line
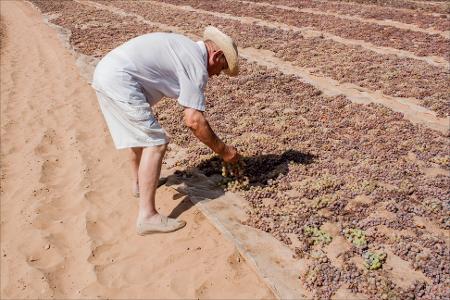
196 121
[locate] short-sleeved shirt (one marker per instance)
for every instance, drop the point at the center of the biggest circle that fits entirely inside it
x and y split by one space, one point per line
156 65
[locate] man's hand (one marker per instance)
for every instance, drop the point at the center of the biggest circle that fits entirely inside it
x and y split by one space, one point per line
230 154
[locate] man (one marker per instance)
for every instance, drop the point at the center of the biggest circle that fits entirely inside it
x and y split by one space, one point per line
130 79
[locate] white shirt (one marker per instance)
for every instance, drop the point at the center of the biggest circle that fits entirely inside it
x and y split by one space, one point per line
155 65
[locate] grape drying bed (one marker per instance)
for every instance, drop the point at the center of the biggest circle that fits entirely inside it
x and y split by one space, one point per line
387 73
354 190
422 19
417 42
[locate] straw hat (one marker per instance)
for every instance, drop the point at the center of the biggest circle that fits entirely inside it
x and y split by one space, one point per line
226 44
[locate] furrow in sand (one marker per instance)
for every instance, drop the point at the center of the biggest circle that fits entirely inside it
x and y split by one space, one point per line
418 43
41 155
409 106
67 213
437 23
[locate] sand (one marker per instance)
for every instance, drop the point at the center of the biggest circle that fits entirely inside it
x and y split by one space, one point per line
67 213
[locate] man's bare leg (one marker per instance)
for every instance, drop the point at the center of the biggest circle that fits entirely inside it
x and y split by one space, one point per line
148 177
136 154
149 220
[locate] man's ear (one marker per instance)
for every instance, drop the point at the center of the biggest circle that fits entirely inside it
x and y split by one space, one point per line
217 55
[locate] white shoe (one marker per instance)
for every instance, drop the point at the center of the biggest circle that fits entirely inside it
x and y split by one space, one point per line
165 225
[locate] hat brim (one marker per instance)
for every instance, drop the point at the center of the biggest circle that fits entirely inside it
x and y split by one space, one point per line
226 44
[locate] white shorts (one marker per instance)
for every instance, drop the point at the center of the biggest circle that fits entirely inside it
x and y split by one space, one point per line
131 123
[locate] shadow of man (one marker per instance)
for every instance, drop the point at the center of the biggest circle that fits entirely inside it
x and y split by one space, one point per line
202 182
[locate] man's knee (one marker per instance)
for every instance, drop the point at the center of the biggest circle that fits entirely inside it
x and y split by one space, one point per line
161 149
136 152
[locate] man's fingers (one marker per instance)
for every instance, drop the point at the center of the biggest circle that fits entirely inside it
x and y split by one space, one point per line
233 168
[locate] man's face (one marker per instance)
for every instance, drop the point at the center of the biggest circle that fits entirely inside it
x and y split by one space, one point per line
216 63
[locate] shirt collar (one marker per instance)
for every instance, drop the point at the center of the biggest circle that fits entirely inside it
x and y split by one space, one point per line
202 47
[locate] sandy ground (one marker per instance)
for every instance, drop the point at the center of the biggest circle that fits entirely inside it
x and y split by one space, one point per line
67 214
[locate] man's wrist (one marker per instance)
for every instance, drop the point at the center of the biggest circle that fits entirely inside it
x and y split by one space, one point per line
221 148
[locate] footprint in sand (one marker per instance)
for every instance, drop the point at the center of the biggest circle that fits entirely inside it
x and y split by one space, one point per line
41 254
202 291
99 230
48 168
102 254
46 143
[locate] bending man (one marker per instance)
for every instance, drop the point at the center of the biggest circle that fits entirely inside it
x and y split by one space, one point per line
130 79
